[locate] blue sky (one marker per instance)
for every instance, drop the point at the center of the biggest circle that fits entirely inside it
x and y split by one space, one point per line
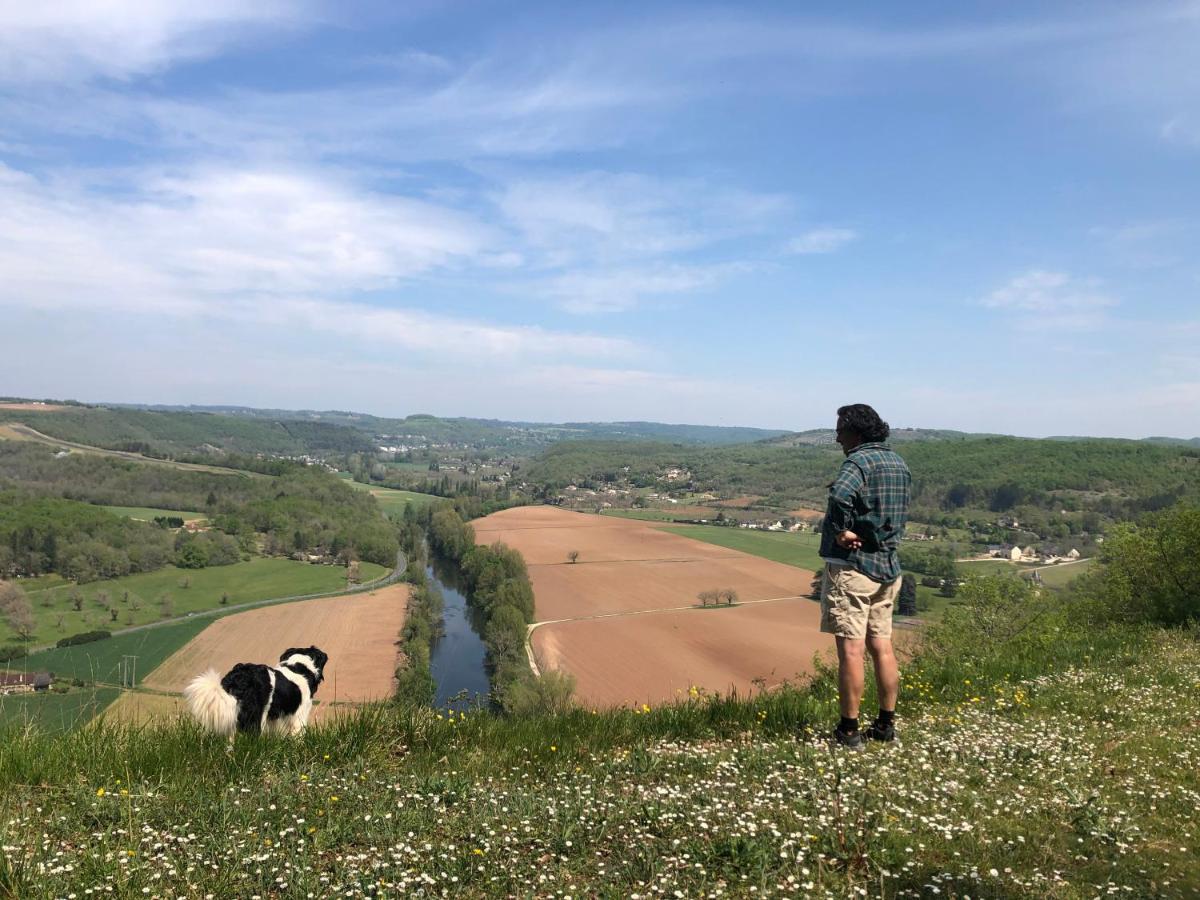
974 216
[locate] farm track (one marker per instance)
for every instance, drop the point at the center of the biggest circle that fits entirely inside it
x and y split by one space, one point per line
19 431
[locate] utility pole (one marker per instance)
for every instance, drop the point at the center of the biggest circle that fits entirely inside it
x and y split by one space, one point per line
128 671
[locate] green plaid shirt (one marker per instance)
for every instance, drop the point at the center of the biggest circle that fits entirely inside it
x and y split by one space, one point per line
870 498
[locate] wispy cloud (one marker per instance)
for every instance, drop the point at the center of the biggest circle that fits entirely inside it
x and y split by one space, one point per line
821 240
74 40
1052 299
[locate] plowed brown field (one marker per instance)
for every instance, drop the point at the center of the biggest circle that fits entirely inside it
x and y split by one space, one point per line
614 619
358 631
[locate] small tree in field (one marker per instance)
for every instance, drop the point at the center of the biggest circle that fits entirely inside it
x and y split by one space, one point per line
185 582
17 610
224 598
112 613
728 596
103 599
707 597
60 621
166 606
353 575
76 596
573 556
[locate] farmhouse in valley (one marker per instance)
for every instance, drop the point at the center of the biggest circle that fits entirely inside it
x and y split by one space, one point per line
25 682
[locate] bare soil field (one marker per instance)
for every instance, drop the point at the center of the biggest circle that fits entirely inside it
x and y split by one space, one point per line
805 514
32 407
738 502
657 657
646 580
358 631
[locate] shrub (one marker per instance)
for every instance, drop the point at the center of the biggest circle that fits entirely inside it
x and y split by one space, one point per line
11 651
548 695
1151 571
84 637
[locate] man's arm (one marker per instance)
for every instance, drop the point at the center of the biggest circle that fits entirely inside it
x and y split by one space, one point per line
842 494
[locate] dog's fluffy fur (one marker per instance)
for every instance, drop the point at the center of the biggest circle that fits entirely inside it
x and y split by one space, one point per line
255 698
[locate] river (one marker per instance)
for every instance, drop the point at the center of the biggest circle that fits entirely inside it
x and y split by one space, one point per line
458 658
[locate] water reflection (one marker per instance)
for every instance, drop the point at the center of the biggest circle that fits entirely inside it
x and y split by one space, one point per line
458 658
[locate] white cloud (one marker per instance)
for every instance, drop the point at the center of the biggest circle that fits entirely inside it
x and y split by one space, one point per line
70 40
822 240
1052 299
253 248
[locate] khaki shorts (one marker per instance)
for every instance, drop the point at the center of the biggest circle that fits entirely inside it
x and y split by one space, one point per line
855 606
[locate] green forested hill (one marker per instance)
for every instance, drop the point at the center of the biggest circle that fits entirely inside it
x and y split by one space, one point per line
304 509
157 433
493 433
1116 477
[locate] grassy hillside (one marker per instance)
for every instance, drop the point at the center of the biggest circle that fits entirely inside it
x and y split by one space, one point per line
1020 789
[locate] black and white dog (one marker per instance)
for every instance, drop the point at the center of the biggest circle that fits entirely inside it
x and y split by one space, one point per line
253 697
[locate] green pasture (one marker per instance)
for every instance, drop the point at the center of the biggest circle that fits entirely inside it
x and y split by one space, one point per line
1064 573
100 661
392 501
148 514
55 712
245 582
648 515
792 549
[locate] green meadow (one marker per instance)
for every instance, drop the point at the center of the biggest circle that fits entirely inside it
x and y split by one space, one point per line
152 596
392 501
100 661
54 713
793 549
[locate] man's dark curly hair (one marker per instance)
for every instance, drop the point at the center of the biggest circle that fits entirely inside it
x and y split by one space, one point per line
863 421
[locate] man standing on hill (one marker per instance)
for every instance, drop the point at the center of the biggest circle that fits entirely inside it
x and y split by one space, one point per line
864 521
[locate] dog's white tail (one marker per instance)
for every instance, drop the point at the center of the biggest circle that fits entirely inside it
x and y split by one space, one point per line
213 708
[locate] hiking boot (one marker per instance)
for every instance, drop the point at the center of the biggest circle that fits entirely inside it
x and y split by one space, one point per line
851 740
878 732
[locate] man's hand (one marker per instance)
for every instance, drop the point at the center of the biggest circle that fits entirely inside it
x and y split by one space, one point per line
848 540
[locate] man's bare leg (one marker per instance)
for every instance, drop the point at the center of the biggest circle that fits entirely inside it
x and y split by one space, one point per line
850 675
887 673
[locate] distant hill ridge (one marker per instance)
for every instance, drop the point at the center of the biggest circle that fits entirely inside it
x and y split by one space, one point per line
192 427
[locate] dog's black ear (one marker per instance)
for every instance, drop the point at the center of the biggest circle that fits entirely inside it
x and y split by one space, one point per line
319 657
291 650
